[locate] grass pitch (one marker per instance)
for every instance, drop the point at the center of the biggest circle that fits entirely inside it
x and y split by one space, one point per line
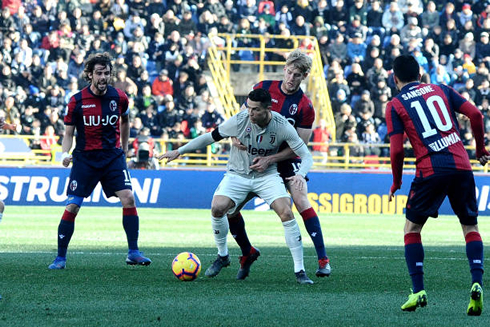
369 281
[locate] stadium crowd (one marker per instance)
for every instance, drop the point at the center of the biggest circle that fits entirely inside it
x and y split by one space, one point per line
159 49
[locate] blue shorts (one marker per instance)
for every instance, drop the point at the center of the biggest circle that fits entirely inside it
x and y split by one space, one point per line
105 166
427 194
289 167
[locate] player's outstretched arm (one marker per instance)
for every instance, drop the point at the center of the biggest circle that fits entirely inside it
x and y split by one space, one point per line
197 143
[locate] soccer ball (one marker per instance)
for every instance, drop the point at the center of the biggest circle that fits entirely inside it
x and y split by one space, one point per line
186 266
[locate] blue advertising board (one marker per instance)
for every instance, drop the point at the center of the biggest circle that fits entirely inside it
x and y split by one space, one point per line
329 192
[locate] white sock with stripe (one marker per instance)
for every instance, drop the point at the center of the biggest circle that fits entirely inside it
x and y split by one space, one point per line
293 240
220 230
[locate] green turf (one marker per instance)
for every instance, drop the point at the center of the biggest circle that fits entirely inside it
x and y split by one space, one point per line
367 287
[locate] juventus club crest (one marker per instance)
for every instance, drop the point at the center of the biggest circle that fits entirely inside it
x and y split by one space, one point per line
273 138
113 105
293 109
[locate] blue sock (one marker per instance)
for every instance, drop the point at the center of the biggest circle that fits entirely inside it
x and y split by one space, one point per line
65 232
474 252
312 225
237 229
131 227
414 255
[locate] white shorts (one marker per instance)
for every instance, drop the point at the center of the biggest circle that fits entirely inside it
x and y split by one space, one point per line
236 187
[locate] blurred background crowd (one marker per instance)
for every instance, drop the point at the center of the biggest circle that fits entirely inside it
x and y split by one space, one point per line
159 49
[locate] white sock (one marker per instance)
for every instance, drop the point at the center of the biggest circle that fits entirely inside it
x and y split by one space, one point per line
293 240
220 231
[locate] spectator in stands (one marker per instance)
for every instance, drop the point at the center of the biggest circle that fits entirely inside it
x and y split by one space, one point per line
169 117
374 20
187 24
364 103
337 50
136 68
392 19
284 16
299 27
355 27
357 82
481 74
321 136
344 118
339 16
181 84
162 85
146 99
375 73
211 118
411 31
122 80
40 21
440 76
216 8
429 18
359 10
466 15
369 137
356 49
206 22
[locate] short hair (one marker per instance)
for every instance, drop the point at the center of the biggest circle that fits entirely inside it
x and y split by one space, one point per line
261 95
300 60
406 68
99 58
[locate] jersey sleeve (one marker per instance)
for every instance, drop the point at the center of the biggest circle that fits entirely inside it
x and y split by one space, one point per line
123 103
69 116
393 120
229 127
308 114
292 137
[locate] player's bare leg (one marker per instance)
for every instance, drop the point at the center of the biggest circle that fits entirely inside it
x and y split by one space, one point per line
130 221
313 227
293 237
219 222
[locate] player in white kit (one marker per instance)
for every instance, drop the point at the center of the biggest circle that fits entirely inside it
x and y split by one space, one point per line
262 131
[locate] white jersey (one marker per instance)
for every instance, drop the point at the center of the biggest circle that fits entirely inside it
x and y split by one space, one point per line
260 142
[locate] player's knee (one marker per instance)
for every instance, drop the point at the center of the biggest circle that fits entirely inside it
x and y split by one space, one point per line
218 211
286 214
73 208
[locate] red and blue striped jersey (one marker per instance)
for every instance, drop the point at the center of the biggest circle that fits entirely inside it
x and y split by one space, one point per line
427 113
296 107
96 118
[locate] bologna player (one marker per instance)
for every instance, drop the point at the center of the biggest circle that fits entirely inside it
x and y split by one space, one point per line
427 114
99 114
289 100
262 131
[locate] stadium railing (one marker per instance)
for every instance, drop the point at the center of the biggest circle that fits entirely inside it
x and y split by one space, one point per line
339 155
223 56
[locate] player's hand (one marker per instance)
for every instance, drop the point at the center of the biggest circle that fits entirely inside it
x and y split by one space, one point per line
170 155
393 189
66 159
260 164
236 143
484 159
391 196
297 181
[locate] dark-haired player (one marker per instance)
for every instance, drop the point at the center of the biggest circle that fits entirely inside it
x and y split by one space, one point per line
289 100
99 114
427 113
261 131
